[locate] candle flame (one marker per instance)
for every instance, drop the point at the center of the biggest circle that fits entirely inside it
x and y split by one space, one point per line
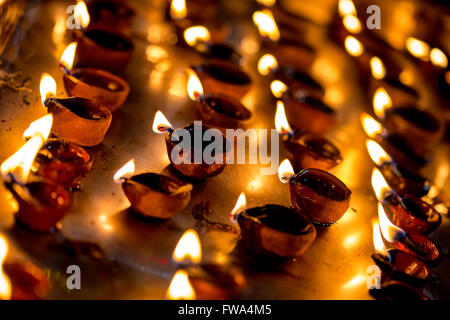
68 56
194 86
127 169
378 241
180 287
377 153
390 231
267 3
377 68
381 102
278 88
371 126
352 23
47 87
240 206
178 9
41 127
5 284
285 171
266 24
379 185
281 122
188 248
353 46
418 48
267 64
160 123
346 7
194 34
438 58
81 14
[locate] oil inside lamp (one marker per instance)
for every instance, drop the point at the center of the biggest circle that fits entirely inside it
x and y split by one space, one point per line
188 249
273 230
98 85
77 120
151 194
5 283
316 193
180 287
217 110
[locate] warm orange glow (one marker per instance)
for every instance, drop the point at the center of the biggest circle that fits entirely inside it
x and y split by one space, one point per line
241 205
377 153
266 24
379 185
160 123
188 248
278 88
128 169
378 242
41 127
281 122
352 24
353 46
180 287
371 126
346 7
194 86
406 77
390 231
82 14
381 102
178 9
285 171
418 48
47 87
267 3
377 68
438 58
68 56
5 284
194 34
267 64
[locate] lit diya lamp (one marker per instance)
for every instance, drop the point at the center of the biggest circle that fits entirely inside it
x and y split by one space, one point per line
273 230
151 194
203 10
392 92
101 49
293 79
216 109
186 147
414 243
307 150
98 85
304 111
41 203
78 120
209 281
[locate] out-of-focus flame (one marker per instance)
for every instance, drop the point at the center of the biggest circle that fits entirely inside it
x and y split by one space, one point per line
378 242
278 88
82 14
281 122
371 126
194 86
41 127
188 248
68 56
160 123
379 185
241 205
20 163
381 102
267 3
377 68
377 153
194 34
346 7
266 24
104 223
5 284
353 46
178 9
47 87
285 171
390 231
418 48
127 169
180 287
438 58
267 64
352 23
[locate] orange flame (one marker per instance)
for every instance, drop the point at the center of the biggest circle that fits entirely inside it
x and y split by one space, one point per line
378 242
267 64
278 88
266 24
418 48
353 46
281 122
371 126
346 7
188 248
390 231
194 86
47 87
377 153
379 185
5 283
438 58
160 123
267 3
41 127
377 68
352 23
240 206
285 171
197 33
178 9
381 102
180 287
127 169
68 56
81 14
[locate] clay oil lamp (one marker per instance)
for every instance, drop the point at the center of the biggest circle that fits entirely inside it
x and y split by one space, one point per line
97 85
393 290
78 120
41 203
392 91
209 280
416 244
151 194
307 150
216 109
273 230
191 164
224 78
319 195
